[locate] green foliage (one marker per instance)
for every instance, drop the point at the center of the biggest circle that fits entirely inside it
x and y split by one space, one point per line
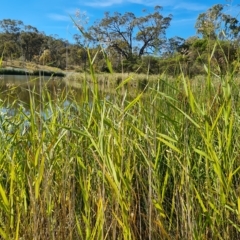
201 45
131 43
124 165
121 164
215 24
119 32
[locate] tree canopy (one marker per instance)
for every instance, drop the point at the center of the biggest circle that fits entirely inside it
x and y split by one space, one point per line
214 23
130 35
131 42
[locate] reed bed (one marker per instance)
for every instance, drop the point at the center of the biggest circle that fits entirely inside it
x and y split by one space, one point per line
162 164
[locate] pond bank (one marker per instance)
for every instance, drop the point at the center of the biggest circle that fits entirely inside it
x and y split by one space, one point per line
22 71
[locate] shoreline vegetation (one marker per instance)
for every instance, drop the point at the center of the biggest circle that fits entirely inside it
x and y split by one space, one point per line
125 156
160 164
19 68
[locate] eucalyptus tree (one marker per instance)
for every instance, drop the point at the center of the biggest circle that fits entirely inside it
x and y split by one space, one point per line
174 45
12 28
129 35
214 23
31 42
10 31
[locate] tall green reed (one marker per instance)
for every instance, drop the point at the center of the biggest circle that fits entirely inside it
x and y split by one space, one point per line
159 164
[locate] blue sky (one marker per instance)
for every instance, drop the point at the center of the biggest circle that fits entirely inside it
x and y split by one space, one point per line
53 16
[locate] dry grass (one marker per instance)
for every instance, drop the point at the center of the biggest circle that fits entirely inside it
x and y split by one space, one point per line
30 66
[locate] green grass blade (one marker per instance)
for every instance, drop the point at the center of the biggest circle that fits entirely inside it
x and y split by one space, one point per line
4 197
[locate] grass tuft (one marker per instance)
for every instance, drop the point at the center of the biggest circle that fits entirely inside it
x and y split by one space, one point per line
157 162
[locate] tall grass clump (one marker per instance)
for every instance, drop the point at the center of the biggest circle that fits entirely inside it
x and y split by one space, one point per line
160 164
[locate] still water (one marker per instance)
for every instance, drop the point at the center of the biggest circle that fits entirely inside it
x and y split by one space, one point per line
13 87
17 91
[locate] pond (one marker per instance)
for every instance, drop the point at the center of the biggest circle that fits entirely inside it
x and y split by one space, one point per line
20 88
18 93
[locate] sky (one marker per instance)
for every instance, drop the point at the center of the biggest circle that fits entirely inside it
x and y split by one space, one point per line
53 16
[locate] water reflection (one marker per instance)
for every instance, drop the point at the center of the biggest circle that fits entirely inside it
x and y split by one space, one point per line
15 90
18 93
22 88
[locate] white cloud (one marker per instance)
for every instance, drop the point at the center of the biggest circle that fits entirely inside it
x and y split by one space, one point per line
108 3
184 21
58 17
162 3
191 6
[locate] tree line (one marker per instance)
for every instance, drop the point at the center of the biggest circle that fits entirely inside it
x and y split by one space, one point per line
131 43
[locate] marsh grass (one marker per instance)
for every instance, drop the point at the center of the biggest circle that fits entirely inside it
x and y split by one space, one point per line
159 164
108 82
